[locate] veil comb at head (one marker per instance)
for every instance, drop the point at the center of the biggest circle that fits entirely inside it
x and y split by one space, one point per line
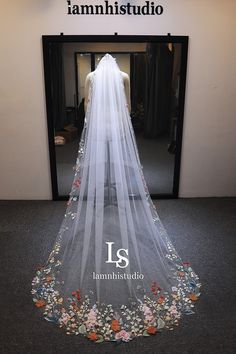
113 273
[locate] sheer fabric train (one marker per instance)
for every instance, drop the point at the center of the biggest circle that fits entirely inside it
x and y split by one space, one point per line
113 273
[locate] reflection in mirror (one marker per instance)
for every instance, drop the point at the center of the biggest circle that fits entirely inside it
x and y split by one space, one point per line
154 70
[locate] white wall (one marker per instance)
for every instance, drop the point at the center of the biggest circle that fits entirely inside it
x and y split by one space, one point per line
209 139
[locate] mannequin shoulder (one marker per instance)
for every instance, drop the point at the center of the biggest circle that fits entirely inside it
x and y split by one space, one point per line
125 77
89 77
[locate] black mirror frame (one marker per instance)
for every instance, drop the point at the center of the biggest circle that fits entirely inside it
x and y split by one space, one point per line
47 39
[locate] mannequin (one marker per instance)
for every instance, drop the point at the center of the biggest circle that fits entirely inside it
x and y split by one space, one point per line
126 81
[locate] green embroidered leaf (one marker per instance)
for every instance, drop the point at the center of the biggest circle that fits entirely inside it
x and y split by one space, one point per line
145 333
100 339
160 323
82 329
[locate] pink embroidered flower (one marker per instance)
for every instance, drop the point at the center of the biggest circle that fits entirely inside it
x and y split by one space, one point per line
92 319
64 318
173 310
125 336
77 183
148 314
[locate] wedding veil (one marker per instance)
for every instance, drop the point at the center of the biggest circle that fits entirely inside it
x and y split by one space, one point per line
113 273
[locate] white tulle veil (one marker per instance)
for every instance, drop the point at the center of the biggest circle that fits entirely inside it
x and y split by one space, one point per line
113 273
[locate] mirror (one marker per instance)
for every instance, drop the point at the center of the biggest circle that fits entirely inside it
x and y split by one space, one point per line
157 70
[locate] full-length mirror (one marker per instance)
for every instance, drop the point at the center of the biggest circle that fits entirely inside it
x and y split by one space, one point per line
157 70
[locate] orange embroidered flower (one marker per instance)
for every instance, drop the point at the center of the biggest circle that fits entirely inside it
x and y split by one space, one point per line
151 330
155 288
75 307
76 294
161 299
49 279
39 267
92 336
181 274
115 325
193 297
154 284
40 303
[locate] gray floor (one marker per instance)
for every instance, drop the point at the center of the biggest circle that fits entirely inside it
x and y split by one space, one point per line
203 231
158 164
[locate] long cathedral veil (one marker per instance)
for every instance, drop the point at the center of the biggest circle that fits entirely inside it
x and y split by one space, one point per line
113 273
